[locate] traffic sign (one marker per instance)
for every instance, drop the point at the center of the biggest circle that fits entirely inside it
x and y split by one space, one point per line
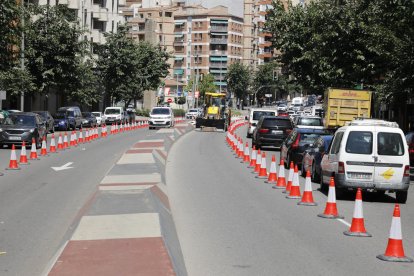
169 100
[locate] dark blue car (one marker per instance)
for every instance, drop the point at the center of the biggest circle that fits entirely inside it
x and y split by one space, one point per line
61 121
297 142
312 157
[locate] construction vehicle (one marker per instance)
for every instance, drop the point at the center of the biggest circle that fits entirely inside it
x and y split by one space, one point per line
216 114
344 105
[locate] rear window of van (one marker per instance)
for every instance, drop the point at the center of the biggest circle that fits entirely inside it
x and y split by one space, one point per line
359 142
390 144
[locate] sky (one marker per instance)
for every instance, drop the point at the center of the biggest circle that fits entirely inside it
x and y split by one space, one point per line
235 6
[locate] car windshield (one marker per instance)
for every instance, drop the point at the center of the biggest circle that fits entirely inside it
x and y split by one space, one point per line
160 111
193 111
41 113
97 114
112 111
22 120
310 122
258 114
59 116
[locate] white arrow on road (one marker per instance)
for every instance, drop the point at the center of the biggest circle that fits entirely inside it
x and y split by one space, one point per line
63 167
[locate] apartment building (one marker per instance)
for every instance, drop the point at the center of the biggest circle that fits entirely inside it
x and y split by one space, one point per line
97 16
200 40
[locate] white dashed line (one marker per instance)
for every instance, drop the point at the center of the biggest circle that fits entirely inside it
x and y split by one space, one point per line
344 222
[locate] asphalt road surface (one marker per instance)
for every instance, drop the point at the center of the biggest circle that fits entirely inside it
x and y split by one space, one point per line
230 223
38 204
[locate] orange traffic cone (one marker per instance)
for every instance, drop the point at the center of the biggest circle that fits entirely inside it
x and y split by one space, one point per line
395 249
295 188
13 160
258 162
71 143
240 151
43 151
331 211
33 151
263 167
290 178
281 181
358 227
246 157
23 155
307 198
234 145
52 147
60 142
253 158
80 137
75 138
272 179
65 141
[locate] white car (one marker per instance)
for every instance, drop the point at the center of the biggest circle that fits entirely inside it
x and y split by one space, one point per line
368 154
99 117
161 117
192 113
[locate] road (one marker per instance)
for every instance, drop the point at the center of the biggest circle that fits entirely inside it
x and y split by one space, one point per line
230 223
39 206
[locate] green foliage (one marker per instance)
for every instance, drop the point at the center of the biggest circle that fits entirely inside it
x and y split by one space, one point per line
179 112
345 43
143 112
10 33
238 79
207 85
127 68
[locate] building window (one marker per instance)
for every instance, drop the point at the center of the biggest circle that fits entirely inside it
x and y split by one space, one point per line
168 14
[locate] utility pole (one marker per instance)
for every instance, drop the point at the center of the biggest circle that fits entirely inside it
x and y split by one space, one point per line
22 56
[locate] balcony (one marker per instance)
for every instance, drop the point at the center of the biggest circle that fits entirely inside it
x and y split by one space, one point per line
218 64
96 11
178 42
216 28
218 41
265 55
218 53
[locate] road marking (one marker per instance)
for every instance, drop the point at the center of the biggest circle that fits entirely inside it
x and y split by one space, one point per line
344 222
63 167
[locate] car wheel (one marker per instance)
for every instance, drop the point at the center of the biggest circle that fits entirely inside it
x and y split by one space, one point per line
248 135
401 196
324 187
52 130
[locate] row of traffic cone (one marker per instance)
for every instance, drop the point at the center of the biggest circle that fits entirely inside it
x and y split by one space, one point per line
257 161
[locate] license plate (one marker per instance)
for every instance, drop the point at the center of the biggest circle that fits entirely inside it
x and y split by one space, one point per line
15 138
360 175
277 131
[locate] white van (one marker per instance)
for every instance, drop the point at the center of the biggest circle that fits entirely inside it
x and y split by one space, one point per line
114 114
161 117
368 154
254 116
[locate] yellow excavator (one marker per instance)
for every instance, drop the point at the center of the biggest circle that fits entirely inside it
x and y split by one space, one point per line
216 114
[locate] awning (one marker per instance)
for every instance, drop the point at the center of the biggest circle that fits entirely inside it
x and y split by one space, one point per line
214 71
219 21
178 71
178 23
218 58
179 35
178 58
219 34
220 83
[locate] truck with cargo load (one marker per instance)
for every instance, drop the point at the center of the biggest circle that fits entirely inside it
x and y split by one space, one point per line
344 105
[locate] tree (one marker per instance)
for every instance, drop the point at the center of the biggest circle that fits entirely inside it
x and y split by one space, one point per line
238 80
207 84
55 56
127 68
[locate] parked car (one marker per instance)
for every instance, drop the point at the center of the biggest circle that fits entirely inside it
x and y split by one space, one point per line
192 113
161 117
282 107
368 154
254 116
74 116
22 126
62 121
312 156
48 119
100 118
308 122
410 141
89 120
271 131
297 142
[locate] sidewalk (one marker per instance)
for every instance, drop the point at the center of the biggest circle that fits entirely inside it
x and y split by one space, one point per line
126 228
